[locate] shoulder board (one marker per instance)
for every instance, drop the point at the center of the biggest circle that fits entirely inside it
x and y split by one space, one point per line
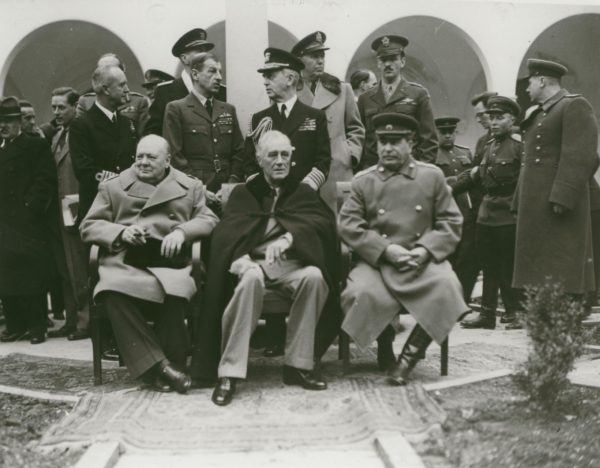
366 171
489 141
425 164
331 83
87 95
572 95
164 83
462 147
114 176
516 137
412 83
136 94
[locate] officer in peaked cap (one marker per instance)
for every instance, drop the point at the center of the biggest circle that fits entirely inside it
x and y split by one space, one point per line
395 94
153 78
557 189
403 236
324 91
188 46
496 224
277 59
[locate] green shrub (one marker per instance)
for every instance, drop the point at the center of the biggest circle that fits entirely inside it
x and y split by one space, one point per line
553 322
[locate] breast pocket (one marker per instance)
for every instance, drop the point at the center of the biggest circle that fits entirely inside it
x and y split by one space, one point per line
225 129
505 170
195 139
408 108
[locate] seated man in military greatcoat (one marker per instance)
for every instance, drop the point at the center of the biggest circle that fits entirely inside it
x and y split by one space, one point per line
403 223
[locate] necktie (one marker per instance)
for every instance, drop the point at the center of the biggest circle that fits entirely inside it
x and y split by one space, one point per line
208 105
283 109
114 118
313 86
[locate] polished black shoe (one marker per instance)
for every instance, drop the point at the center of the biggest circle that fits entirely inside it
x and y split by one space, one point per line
8 337
508 317
61 332
223 392
37 338
111 354
58 315
273 351
487 322
303 378
417 343
78 334
179 381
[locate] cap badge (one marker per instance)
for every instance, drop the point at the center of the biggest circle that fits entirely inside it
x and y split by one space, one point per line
385 41
202 35
389 127
267 56
318 37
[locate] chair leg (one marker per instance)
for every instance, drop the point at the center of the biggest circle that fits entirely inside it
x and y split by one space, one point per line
344 351
96 349
444 358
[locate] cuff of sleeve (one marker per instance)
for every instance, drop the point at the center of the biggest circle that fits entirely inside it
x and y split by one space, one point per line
315 177
565 195
430 248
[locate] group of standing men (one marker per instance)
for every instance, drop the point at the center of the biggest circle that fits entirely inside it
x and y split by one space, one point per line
419 231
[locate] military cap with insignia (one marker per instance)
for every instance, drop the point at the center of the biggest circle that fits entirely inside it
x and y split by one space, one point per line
539 67
192 40
276 59
483 97
385 46
312 43
448 123
153 77
503 105
9 108
393 123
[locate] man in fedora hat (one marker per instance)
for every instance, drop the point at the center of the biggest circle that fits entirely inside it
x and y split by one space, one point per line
395 94
560 136
324 91
27 198
185 49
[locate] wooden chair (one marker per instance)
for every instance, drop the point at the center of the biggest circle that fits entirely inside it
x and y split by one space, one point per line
343 192
98 315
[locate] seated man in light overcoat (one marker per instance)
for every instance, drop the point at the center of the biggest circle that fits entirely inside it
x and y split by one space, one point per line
403 223
145 220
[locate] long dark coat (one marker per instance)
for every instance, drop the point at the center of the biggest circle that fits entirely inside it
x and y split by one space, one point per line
27 196
560 158
300 211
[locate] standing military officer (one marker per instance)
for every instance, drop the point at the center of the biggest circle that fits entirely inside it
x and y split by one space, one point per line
185 49
497 175
324 91
403 223
553 199
153 79
135 105
203 132
395 94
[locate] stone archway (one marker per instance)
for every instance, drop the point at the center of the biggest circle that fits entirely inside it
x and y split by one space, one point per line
572 41
441 57
63 53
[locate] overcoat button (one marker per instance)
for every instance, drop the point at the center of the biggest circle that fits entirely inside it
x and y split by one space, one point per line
384 236
293 163
381 211
419 208
171 215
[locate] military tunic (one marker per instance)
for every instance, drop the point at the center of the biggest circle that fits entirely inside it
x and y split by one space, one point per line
408 98
454 162
136 109
412 207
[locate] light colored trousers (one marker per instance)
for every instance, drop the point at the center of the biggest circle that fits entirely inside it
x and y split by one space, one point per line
308 291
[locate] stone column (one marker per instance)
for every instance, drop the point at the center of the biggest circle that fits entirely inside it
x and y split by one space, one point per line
246 37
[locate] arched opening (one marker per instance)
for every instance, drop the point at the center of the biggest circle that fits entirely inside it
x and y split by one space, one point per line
441 57
278 37
62 54
572 41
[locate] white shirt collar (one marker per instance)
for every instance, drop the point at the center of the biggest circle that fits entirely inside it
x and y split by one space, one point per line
289 104
199 96
187 80
109 114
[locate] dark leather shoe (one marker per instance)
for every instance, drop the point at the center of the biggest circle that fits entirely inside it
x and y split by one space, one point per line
37 339
303 378
487 322
78 334
273 351
8 337
111 354
61 332
223 392
179 381
398 375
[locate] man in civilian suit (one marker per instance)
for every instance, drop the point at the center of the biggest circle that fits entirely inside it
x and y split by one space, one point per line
305 126
185 49
102 142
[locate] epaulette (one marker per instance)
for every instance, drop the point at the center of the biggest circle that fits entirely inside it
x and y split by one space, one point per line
331 83
418 85
462 147
136 94
489 141
572 95
426 164
90 94
164 83
368 170
516 137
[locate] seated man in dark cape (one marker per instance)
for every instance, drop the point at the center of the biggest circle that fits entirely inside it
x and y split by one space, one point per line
276 233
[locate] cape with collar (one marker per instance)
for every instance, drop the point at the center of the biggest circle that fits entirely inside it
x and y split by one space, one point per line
301 212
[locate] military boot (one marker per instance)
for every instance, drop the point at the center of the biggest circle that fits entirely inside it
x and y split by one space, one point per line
414 348
385 351
486 319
